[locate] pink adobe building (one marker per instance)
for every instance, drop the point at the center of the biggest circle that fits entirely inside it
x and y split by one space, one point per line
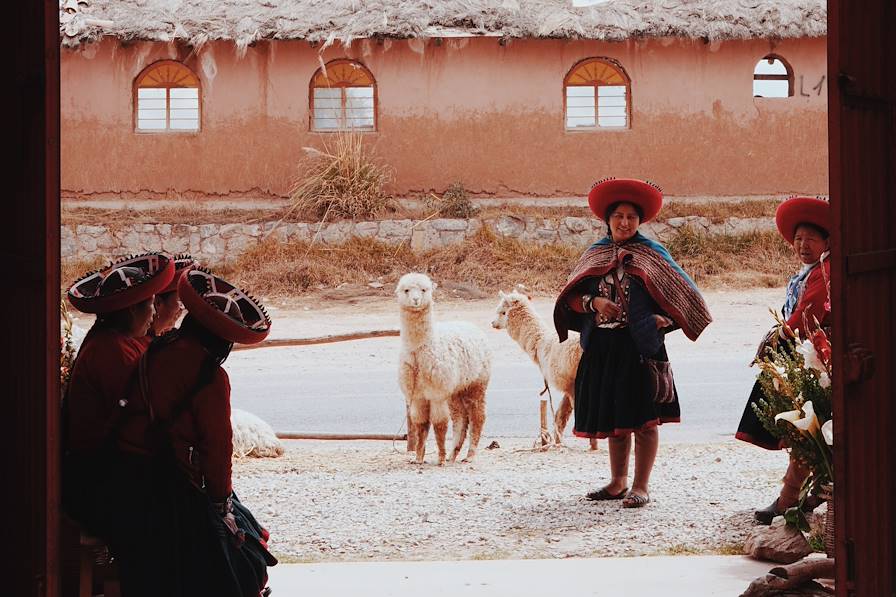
541 100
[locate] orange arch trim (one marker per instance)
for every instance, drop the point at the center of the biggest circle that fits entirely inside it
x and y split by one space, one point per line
167 73
595 71
343 73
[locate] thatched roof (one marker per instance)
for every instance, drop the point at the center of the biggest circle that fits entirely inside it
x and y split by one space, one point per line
329 21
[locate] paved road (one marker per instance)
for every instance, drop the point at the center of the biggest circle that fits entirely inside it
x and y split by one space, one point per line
352 387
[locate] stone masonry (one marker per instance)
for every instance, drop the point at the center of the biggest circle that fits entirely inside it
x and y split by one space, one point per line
211 243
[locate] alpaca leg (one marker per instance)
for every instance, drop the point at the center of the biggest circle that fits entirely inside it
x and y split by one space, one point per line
476 410
419 411
459 423
439 413
562 418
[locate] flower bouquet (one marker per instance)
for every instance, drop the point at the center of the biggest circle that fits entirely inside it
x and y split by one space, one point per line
795 375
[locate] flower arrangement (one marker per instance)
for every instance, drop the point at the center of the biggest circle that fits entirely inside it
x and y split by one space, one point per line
67 355
795 375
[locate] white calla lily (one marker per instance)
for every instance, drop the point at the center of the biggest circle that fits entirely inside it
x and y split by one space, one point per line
827 431
810 356
791 416
807 424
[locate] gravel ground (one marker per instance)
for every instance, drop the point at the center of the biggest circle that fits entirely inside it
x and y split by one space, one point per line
326 501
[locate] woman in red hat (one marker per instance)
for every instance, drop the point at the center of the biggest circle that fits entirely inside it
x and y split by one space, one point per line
804 222
625 293
167 304
121 297
186 533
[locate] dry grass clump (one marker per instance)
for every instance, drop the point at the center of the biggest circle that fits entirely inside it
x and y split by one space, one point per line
484 261
342 180
72 269
759 258
454 203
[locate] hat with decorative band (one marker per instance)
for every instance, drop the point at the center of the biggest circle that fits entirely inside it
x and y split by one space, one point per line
182 264
223 309
802 210
122 283
608 191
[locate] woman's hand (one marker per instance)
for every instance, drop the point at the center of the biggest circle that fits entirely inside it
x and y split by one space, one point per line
606 307
662 322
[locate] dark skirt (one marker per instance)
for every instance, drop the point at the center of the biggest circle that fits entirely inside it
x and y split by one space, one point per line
612 396
167 540
751 428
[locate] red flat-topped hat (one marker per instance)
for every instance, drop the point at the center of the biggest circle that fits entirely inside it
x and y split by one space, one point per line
182 264
122 283
222 308
802 210
646 195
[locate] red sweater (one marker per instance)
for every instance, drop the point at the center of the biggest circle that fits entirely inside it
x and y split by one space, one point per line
812 300
202 435
100 379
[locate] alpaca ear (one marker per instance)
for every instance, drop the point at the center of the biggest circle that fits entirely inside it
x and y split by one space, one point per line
501 295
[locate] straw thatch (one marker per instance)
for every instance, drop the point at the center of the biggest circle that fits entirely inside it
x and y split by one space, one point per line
330 21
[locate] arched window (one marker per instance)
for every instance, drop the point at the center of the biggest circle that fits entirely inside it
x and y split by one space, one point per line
772 77
597 94
166 98
343 97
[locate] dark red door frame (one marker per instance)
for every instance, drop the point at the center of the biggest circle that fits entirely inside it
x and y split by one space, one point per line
30 249
862 141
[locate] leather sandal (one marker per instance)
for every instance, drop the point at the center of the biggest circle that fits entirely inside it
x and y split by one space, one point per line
635 500
603 494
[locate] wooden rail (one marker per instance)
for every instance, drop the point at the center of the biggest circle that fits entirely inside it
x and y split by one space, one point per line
342 436
283 342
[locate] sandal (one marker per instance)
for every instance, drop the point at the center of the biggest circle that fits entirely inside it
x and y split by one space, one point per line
635 500
603 494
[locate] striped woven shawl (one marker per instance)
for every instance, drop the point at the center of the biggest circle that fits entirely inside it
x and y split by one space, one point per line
668 285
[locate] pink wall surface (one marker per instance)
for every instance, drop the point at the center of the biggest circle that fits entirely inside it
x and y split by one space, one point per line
468 110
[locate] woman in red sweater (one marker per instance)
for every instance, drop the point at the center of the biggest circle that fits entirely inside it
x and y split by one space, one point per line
185 532
121 296
804 223
167 304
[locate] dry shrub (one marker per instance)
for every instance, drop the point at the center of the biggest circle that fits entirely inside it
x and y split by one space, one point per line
342 180
488 262
758 258
454 203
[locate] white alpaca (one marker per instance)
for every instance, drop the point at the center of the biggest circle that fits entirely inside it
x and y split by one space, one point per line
444 369
253 437
558 362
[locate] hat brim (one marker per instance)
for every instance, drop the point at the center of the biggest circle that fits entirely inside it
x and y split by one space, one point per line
182 264
802 210
82 294
197 282
643 194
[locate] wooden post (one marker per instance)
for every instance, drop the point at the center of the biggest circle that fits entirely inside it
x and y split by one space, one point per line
544 422
412 432
593 442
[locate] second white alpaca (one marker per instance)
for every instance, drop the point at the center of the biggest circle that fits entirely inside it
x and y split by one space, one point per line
444 370
558 362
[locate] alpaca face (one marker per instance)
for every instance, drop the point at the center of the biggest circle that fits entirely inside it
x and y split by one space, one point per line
414 292
502 311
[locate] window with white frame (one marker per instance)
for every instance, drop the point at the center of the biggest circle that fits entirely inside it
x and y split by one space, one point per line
167 99
772 77
597 95
343 97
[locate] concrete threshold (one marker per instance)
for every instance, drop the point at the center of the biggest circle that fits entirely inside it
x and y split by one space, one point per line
666 576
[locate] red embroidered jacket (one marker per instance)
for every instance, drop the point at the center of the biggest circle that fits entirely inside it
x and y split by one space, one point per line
202 435
812 300
100 379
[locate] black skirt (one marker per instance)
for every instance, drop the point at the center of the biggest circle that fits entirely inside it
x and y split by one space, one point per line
168 541
751 428
612 396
